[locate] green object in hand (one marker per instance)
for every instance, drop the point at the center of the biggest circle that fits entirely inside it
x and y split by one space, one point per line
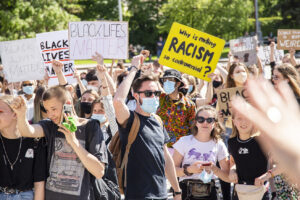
70 125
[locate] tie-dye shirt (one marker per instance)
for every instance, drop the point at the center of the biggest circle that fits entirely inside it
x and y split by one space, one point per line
178 117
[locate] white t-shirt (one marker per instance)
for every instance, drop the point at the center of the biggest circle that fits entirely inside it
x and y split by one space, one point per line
30 107
193 150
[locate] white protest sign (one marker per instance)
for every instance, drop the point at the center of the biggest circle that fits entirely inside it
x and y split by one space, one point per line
264 54
55 46
244 49
21 60
108 38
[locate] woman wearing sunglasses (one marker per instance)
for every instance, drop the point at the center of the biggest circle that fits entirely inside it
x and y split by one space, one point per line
195 157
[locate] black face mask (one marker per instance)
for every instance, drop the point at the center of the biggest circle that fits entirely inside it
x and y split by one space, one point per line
217 84
184 91
86 107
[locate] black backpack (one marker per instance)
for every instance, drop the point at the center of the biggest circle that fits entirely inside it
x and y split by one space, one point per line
107 187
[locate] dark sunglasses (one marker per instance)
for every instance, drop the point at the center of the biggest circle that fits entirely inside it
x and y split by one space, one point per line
149 93
208 120
30 84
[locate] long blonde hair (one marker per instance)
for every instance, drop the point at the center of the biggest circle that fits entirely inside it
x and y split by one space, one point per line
235 131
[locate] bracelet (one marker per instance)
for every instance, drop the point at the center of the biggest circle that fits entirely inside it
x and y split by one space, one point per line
132 66
177 193
185 171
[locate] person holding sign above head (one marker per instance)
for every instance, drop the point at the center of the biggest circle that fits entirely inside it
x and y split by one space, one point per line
196 155
176 111
76 151
22 160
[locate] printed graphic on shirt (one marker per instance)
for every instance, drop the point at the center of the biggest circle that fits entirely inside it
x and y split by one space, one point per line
243 151
66 170
210 156
29 153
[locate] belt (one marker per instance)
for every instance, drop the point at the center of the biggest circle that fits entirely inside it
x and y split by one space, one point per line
7 190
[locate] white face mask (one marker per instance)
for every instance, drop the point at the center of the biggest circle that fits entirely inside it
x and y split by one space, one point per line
240 77
91 87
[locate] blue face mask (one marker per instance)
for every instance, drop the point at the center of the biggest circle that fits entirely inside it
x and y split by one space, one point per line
191 87
169 86
84 82
205 177
28 90
150 105
100 117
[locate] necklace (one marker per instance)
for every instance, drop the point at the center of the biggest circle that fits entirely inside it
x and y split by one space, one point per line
11 164
243 141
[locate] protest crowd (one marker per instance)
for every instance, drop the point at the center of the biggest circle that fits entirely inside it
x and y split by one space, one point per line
148 129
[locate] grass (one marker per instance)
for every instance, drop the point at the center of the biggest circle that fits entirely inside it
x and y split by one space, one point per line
108 61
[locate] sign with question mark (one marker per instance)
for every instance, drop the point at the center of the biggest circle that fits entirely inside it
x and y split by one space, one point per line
191 51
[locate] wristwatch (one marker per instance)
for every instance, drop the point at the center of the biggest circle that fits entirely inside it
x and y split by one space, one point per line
185 171
177 193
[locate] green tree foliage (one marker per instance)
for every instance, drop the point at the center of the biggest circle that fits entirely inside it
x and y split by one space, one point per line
24 18
223 18
143 17
98 9
289 10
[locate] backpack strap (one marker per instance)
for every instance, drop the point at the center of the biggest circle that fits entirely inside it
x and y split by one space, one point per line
131 138
158 119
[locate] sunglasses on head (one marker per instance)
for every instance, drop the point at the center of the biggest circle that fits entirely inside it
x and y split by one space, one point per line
149 93
208 120
29 84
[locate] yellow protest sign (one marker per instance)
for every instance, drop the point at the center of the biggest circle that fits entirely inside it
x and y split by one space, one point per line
191 51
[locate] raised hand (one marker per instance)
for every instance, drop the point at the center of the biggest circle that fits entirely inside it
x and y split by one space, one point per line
19 106
98 58
57 66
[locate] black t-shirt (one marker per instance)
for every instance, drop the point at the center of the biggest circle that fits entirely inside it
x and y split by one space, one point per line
249 158
146 164
68 178
30 166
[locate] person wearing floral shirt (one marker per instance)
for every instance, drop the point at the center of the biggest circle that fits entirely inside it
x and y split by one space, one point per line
176 111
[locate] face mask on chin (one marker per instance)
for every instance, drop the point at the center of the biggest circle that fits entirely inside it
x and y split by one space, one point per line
100 117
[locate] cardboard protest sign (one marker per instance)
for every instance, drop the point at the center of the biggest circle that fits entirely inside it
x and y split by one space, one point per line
288 39
264 54
226 95
191 51
108 38
244 49
21 60
55 46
